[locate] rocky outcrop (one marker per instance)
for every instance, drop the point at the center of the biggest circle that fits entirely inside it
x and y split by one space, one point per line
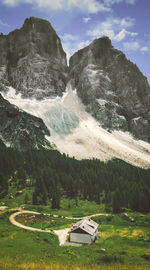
2 144
113 89
32 60
19 129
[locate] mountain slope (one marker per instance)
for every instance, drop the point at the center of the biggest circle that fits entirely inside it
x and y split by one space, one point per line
76 133
90 110
113 89
19 129
32 60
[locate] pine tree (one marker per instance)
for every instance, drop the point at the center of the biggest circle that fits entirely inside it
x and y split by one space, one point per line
116 202
55 201
34 198
26 198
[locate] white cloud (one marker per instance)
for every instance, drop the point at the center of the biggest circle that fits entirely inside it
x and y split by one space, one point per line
135 46
83 44
127 22
144 49
86 19
86 6
11 2
57 4
114 28
2 23
69 43
96 33
132 46
91 6
68 37
131 2
72 44
122 35
112 2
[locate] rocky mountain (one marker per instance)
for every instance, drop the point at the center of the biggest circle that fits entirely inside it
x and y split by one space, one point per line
91 108
32 60
112 88
19 129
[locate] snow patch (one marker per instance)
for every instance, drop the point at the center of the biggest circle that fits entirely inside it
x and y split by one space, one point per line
4 141
77 133
102 102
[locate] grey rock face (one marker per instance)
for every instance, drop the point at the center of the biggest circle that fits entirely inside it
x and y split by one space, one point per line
113 89
32 60
20 129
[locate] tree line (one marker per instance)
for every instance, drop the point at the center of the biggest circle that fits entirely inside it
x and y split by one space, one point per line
53 175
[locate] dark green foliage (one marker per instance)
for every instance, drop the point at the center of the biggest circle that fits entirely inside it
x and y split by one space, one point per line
112 259
146 257
26 198
117 201
53 175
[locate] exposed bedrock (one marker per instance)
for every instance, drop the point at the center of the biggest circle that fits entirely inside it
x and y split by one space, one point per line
112 88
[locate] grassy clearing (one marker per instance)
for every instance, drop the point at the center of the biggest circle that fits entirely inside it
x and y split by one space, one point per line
44 221
123 245
70 208
14 199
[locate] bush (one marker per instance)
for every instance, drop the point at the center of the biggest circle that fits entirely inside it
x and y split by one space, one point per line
112 259
146 257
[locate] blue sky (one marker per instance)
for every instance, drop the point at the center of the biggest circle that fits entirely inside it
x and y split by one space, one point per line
78 22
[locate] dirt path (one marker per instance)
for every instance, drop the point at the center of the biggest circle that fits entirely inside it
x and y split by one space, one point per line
14 222
62 234
3 208
94 215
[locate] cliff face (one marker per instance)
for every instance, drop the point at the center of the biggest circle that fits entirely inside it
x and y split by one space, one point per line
33 61
113 89
19 129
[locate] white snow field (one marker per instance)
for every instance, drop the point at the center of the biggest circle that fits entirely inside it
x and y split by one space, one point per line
77 133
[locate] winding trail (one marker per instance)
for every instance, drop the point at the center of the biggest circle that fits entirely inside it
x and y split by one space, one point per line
62 234
94 215
14 222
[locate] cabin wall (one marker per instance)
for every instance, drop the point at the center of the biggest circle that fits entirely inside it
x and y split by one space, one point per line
94 236
81 238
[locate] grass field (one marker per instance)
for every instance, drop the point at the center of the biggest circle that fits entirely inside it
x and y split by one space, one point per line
45 222
124 244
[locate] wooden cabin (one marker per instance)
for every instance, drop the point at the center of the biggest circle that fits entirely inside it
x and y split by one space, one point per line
84 232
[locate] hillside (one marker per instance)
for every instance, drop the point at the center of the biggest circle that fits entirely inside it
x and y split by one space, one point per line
98 107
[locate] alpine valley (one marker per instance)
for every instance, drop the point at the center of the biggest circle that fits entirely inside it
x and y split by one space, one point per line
98 107
74 144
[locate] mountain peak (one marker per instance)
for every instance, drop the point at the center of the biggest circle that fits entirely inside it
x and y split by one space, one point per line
33 19
112 88
38 24
33 60
104 40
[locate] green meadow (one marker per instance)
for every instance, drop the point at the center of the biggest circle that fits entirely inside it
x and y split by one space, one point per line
123 244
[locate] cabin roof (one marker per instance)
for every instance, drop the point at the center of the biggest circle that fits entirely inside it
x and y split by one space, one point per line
87 225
